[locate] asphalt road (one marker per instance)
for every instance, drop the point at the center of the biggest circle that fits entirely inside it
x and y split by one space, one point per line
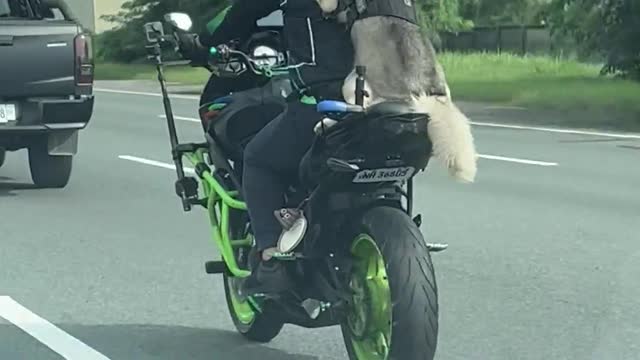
542 264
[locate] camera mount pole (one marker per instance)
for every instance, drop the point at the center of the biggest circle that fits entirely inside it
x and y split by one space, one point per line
156 55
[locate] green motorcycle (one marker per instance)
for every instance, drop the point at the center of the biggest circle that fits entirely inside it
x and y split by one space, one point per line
352 246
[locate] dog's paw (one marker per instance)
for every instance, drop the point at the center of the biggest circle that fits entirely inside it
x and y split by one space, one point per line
323 124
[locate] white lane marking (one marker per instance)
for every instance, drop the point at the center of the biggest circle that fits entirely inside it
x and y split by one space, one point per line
516 160
154 163
128 92
183 118
558 130
476 123
50 335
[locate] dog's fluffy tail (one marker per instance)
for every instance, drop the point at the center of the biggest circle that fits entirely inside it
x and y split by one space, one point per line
450 133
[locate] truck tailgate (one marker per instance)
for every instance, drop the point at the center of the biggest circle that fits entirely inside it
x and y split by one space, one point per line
37 58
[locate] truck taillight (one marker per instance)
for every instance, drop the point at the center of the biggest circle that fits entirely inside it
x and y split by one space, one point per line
84 60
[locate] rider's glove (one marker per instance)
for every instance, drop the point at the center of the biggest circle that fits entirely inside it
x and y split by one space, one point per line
190 47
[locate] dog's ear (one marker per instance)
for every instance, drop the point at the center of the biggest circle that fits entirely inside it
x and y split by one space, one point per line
328 6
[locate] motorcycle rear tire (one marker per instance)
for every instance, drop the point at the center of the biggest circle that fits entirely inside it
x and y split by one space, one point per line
411 299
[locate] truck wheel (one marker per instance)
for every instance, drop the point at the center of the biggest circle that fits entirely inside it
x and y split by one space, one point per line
3 156
49 171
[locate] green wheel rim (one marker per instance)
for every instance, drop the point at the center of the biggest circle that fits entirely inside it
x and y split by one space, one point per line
370 316
242 309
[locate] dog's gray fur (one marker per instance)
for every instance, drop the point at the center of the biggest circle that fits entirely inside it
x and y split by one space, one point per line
398 64
401 65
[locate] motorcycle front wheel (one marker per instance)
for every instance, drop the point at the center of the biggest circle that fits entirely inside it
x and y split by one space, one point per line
393 313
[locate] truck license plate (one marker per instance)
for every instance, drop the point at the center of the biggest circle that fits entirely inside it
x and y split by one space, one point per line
384 174
7 113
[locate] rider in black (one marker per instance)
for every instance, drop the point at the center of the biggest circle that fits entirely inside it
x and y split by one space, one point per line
320 57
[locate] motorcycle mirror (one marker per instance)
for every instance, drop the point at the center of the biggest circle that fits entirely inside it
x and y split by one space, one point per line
178 20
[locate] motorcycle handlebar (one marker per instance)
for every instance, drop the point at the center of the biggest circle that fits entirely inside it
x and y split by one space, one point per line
226 53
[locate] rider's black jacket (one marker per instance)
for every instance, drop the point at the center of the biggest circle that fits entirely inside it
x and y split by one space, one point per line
320 49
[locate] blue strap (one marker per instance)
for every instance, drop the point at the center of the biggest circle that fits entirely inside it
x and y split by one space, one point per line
333 106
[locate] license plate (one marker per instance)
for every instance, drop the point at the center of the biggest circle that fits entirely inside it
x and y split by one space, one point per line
7 113
384 174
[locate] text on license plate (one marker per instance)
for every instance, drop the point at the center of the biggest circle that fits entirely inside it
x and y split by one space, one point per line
384 174
7 113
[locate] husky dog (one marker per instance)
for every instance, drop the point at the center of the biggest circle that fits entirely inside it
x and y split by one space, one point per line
401 65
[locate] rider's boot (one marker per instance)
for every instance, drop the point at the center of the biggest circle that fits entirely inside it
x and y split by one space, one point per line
268 277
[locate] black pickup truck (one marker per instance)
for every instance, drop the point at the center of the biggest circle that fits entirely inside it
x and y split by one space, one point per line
46 85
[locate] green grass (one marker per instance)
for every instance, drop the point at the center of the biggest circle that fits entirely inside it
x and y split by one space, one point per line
537 82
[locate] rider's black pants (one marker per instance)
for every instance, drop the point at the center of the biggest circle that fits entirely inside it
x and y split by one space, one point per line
271 162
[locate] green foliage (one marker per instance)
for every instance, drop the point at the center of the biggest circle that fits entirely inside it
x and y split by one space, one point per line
125 43
437 16
609 28
441 15
503 12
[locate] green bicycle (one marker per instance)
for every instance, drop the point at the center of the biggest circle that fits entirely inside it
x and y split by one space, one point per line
357 255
